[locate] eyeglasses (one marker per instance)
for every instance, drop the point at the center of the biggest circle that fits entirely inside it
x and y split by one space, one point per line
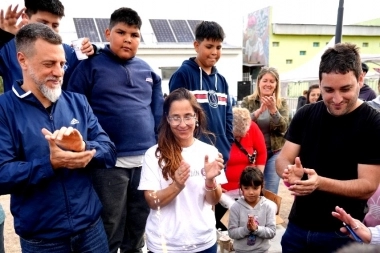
176 120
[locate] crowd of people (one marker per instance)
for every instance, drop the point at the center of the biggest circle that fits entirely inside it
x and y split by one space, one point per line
95 164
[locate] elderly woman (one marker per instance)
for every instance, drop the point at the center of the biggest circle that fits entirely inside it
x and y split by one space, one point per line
180 180
247 150
271 114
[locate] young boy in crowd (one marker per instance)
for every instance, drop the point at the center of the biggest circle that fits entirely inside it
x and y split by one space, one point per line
126 96
199 75
48 12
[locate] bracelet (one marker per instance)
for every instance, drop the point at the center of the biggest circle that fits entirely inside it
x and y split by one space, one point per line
213 185
211 189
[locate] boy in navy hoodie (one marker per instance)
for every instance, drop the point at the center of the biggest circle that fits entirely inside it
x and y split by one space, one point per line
125 94
200 76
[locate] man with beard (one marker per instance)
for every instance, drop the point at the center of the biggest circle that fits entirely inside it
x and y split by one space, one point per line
327 159
50 141
48 12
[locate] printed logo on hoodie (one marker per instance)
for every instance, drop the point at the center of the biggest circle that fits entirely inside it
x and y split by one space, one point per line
74 121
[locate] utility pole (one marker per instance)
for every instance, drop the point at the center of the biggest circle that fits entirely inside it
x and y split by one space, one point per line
339 23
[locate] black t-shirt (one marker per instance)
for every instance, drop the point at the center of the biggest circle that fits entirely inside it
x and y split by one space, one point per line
333 147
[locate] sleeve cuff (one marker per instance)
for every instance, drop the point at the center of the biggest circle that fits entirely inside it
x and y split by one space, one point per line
375 231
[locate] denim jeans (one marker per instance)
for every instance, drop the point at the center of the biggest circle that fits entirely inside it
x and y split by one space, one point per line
298 240
125 209
2 238
271 179
212 249
91 240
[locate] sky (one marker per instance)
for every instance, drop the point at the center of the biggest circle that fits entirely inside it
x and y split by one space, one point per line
229 13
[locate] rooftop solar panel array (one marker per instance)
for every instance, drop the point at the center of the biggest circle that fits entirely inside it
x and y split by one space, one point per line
162 30
182 30
85 27
102 24
193 24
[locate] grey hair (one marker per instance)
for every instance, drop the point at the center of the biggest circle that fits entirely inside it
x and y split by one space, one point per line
30 33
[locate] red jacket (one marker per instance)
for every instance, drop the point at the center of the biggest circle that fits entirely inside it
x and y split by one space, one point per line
253 140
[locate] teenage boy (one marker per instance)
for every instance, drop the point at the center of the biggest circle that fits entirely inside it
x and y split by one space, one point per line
200 76
48 12
126 96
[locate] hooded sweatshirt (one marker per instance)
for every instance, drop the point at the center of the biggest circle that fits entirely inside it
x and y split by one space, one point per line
375 103
367 93
265 214
211 92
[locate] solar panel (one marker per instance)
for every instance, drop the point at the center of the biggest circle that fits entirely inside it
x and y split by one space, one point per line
102 24
193 24
162 30
85 27
182 30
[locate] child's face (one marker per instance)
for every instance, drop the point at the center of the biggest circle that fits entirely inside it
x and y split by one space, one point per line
208 52
251 194
124 40
45 18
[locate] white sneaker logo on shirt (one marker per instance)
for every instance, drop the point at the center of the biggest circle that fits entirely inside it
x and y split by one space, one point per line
74 121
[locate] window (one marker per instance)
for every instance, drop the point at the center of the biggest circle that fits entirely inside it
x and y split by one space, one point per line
315 44
275 44
365 44
302 52
289 61
167 72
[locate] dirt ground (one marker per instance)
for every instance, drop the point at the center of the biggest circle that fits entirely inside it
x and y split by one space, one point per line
12 243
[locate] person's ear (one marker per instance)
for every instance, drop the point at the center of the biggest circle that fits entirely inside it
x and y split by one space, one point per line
24 16
22 60
107 34
361 80
196 45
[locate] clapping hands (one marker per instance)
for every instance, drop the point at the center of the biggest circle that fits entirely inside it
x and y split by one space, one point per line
67 148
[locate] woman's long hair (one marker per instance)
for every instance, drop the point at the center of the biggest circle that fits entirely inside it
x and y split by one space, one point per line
169 149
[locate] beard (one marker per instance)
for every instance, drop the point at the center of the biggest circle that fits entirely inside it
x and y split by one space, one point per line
52 94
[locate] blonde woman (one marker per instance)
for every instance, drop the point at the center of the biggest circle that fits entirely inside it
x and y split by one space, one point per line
271 114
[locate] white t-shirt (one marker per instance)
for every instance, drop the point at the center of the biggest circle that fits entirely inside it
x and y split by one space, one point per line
187 224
